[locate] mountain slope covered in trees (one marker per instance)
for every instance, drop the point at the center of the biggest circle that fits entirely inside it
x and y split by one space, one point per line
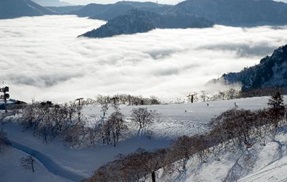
110 11
235 12
137 21
271 72
188 14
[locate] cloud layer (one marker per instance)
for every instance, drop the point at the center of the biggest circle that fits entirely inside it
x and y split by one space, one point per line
41 58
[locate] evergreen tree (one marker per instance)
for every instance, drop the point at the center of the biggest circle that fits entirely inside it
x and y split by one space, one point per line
277 108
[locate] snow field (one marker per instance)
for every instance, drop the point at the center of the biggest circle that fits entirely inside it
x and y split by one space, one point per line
175 120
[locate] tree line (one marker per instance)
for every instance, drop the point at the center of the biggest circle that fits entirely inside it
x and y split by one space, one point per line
124 99
66 122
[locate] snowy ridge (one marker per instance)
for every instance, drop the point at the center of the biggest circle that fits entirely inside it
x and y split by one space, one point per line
259 163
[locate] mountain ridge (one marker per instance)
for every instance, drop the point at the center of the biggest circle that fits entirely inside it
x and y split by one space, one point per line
138 21
235 12
46 3
109 11
271 72
19 8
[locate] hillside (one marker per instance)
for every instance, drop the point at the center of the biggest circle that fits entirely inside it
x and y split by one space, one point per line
19 8
64 9
262 162
137 21
110 11
241 143
270 72
188 14
56 3
174 122
132 22
235 12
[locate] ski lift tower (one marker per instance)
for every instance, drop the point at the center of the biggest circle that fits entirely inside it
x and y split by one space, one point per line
79 101
5 96
191 97
79 108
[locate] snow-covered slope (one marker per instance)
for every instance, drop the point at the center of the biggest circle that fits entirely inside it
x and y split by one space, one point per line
176 120
259 163
11 170
275 172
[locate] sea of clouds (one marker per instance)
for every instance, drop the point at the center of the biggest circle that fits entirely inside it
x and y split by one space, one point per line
42 58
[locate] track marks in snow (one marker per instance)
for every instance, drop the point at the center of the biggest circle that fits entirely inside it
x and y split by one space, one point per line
50 164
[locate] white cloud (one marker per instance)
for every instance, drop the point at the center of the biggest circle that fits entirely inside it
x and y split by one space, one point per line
284 1
41 58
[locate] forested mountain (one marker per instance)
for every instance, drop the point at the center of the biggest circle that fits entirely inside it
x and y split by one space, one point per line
235 12
110 11
65 9
19 8
271 72
190 13
137 21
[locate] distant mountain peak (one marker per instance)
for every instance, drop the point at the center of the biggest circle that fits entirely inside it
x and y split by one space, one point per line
55 3
135 21
235 12
138 21
19 8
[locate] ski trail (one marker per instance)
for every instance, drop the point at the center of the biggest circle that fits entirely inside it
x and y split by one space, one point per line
51 165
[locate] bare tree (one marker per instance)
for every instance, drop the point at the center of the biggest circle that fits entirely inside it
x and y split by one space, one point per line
116 126
104 101
28 163
142 117
182 149
203 96
29 117
232 93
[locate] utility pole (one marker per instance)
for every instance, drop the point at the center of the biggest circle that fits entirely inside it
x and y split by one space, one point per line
79 108
79 101
191 97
